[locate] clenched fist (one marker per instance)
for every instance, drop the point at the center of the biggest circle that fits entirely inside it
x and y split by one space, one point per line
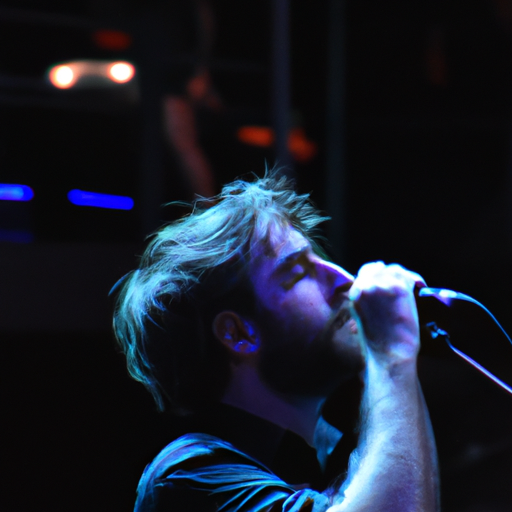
384 305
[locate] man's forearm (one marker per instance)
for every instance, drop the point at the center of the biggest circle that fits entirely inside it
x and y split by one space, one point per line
395 466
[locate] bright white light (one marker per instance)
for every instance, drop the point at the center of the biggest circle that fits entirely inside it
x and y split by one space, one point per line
91 74
62 77
121 72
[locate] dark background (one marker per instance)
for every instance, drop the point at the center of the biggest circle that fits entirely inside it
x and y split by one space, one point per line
427 153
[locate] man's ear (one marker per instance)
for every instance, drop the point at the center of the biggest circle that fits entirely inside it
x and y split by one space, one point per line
236 333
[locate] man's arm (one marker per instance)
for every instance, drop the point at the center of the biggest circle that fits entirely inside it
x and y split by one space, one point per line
394 467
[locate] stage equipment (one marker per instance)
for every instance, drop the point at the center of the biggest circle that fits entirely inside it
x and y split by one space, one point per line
458 321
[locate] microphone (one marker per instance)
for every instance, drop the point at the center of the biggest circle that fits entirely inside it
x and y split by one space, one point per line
446 296
449 298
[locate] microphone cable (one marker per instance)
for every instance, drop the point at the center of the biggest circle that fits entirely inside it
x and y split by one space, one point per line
447 297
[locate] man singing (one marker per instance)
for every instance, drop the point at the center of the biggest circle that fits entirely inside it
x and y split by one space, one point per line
236 321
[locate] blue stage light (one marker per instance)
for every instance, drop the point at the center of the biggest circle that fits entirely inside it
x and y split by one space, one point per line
11 192
83 198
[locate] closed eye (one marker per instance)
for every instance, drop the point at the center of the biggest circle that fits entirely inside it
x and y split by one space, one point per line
297 271
289 283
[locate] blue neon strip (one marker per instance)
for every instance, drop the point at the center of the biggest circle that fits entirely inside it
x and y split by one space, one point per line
83 198
10 192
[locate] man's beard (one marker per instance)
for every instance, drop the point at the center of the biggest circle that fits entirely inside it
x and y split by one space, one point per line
306 368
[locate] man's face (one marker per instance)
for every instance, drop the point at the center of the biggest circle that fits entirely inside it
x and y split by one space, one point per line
310 343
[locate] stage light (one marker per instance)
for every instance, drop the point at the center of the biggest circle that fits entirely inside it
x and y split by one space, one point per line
11 192
62 76
301 148
121 72
109 39
261 136
95 199
91 74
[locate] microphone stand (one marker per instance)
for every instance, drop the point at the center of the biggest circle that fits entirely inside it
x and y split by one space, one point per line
447 297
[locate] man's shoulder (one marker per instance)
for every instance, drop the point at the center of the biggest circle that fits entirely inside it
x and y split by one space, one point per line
191 451
203 472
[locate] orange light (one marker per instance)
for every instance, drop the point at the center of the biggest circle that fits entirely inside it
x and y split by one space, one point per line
260 136
62 77
302 149
121 72
112 39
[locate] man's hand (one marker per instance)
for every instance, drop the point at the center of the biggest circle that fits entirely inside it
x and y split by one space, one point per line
394 468
383 301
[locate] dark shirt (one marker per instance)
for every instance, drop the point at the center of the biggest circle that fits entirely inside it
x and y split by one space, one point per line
240 462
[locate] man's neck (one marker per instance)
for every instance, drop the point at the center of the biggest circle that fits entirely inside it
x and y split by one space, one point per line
298 414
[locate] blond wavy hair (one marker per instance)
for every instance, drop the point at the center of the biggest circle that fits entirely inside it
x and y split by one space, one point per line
192 269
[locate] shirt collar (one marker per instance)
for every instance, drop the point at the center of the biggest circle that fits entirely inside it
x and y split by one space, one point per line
282 451
326 437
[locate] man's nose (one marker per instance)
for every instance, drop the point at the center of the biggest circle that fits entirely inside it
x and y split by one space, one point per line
337 278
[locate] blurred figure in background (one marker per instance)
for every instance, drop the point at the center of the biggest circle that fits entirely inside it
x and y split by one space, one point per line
182 101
